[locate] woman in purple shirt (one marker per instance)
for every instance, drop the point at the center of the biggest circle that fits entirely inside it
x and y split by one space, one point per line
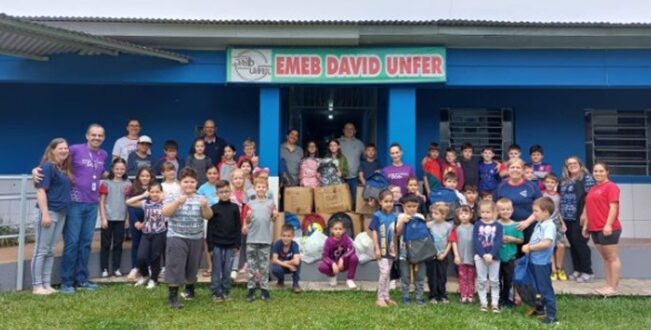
398 173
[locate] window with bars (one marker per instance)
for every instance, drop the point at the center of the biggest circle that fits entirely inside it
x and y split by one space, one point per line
620 138
481 127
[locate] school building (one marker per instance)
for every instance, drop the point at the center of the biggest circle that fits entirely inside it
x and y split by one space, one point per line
575 88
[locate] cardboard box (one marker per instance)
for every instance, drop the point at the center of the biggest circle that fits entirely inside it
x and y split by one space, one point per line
361 206
366 222
277 226
298 200
332 199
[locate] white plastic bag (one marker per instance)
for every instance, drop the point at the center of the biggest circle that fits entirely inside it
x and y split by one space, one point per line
312 249
364 248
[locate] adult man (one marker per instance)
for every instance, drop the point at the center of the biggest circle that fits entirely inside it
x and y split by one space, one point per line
353 149
291 155
214 144
127 144
88 163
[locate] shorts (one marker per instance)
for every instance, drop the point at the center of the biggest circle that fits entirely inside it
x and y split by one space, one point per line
182 260
599 238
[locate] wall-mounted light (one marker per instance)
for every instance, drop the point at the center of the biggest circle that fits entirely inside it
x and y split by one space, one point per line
331 116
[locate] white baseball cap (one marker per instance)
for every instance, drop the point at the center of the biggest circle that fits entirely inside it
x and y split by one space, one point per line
144 139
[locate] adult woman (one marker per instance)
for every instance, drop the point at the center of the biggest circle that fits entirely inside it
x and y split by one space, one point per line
601 222
575 184
53 199
398 172
522 193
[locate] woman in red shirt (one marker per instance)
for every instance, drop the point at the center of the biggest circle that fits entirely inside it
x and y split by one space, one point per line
600 220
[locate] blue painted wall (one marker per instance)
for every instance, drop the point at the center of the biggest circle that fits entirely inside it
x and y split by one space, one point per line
553 118
32 114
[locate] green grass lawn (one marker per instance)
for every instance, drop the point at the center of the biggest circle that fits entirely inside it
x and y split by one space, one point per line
119 306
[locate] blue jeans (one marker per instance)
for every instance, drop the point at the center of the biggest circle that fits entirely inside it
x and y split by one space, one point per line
352 186
46 240
135 214
222 262
542 274
279 273
77 236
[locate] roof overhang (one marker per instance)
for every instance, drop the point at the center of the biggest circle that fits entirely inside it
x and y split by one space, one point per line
36 41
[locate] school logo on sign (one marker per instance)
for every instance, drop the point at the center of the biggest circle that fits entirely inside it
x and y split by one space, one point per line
250 65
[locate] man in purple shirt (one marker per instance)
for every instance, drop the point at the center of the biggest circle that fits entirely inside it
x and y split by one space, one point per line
88 164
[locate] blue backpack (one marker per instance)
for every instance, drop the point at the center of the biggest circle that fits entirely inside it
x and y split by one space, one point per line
292 219
525 282
374 185
418 241
447 196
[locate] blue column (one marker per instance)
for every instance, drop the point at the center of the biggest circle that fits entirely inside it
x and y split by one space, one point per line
269 145
401 123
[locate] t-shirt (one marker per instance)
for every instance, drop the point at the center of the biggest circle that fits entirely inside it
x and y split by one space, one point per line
489 176
597 205
398 175
292 161
171 188
509 250
353 149
225 170
135 162
209 191
456 169
200 166
116 194
432 169
154 220
440 233
124 146
187 221
487 238
464 244
384 225
285 255
556 198
87 168
521 195
57 187
571 204
470 171
542 231
261 225
369 167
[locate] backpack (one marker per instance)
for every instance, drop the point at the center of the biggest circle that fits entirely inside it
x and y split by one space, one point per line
313 222
328 174
345 218
308 172
525 282
374 186
418 241
292 219
447 196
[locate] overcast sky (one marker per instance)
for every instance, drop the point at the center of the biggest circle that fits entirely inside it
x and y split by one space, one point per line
623 11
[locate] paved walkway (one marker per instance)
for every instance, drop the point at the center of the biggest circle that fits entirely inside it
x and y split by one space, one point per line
627 287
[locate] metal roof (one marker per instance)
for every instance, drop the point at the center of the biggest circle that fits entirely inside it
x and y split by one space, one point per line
437 22
27 39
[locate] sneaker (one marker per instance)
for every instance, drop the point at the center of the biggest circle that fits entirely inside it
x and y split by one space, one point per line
188 293
463 300
105 273
392 285
420 302
226 297
217 299
151 284
50 289
117 273
280 285
234 275
554 276
90 286
406 300
444 301
250 296
483 308
141 281
496 309
265 295
67 289
133 274
40 291
561 275
574 276
162 272
551 321
351 284
585 278
296 288
175 303
433 301
333 281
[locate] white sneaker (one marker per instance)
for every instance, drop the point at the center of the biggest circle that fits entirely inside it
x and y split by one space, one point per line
234 275
333 281
151 284
117 273
351 284
133 274
105 273
141 281
162 272
392 285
